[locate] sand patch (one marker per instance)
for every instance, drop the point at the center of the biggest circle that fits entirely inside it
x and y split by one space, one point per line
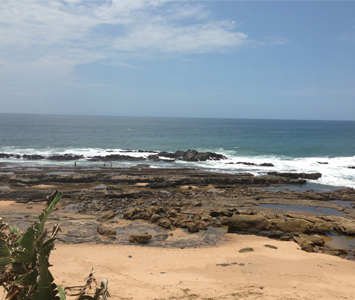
44 186
218 272
141 184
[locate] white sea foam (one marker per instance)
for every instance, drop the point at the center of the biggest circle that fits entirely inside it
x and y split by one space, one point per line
335 173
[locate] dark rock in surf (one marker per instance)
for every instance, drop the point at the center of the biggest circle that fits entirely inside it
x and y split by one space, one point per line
33 157
192 155
5 155
246 163
266 165
115 157
65 157
296 175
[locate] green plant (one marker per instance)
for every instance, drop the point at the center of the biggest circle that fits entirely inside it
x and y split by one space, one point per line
24 265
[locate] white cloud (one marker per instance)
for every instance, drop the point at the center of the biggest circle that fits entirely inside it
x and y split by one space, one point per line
75 32
164 38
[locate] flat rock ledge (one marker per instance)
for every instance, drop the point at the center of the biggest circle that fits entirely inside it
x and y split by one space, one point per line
284 227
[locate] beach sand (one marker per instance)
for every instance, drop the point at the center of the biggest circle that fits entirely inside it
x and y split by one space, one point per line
217 272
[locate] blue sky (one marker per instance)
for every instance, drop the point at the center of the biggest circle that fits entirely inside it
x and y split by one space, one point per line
220 59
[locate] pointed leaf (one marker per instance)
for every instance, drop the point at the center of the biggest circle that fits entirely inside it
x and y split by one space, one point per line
18 268
52 201
4 250
4 261
61 293
49 293
30 278
28 239
13 229
48 246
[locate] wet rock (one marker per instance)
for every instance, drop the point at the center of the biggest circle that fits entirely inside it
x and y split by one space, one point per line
267 165
297 175
106 231
65 157
245 222
246 163
114 157
224 220
216 223
305 239
192 155
140 238
337 252
219 213
245 250
33 157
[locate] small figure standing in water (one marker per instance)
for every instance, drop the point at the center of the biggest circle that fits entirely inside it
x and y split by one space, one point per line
111 164
74 163
104 165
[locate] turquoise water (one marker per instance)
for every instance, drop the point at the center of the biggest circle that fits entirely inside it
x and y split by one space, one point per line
289 145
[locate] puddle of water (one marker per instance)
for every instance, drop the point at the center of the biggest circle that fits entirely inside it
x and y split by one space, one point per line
7 173
60 173
343 203
316 187
100 186
73 208
33 169
339 241
4 187
306 209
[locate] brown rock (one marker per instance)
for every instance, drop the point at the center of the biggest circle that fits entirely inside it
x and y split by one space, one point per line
216 223
295 225
245 222
107 217
337 252
193 227
270 246
106 231
140 238
154 218
307 248
321 226
245 250
165 223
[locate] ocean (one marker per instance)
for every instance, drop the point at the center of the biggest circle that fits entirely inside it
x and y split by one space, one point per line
327 147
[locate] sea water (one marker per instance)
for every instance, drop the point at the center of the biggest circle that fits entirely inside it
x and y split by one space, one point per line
327 147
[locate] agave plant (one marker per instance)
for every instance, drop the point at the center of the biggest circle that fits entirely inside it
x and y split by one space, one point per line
24 265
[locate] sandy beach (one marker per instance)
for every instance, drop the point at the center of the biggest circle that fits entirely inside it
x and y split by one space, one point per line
176 263
217 272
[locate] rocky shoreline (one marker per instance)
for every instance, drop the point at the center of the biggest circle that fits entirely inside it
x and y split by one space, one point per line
111 205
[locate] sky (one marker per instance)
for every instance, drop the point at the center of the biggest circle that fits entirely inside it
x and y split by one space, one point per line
176 58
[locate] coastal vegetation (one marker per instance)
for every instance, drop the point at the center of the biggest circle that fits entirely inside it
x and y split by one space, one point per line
24 261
